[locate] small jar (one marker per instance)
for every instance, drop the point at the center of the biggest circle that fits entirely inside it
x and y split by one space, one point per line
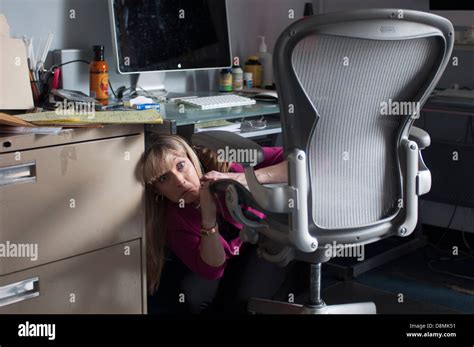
248 80
237 77
253 65
225 84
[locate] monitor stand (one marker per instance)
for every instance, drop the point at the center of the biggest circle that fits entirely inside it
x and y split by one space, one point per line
148 89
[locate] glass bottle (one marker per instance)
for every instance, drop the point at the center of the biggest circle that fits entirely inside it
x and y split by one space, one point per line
99 76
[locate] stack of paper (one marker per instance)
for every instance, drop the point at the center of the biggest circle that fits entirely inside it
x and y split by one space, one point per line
29 130
218 125
105 117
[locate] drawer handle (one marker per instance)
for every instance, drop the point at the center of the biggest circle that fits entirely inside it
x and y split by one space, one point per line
19 291
16 174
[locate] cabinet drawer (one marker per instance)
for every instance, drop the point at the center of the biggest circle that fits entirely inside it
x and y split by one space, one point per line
68 200
104 281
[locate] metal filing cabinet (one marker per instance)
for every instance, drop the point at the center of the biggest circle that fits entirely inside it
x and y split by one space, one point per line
74 197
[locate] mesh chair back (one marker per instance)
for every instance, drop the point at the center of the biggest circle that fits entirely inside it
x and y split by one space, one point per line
350 85
363 91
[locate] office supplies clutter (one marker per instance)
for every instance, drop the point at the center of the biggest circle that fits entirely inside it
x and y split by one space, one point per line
15 85
71 95
71 101
99 76
143 103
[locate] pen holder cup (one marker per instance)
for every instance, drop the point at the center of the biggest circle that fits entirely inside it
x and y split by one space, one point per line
40 92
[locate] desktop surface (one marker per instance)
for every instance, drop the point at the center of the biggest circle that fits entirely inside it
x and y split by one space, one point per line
188 115
449 101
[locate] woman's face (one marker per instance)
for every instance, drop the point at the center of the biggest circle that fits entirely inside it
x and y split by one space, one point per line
181 183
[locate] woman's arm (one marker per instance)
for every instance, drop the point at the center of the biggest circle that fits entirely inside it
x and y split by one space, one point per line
212 252
271 174
211 248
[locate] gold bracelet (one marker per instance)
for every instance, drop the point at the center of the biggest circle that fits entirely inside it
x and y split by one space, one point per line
209 231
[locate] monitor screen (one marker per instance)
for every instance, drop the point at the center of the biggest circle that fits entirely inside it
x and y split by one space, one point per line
170 35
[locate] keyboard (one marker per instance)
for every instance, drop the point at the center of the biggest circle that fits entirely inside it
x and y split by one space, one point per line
218 101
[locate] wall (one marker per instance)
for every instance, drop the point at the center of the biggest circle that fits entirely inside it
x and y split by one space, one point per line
247 20
463 74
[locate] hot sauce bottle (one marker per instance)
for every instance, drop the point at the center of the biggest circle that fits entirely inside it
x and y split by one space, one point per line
99 76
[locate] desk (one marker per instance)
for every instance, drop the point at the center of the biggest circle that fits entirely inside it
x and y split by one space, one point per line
182 120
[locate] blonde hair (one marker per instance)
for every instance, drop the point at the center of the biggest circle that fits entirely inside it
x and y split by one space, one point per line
157 160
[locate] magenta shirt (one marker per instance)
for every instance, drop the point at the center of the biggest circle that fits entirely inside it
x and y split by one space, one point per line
184 226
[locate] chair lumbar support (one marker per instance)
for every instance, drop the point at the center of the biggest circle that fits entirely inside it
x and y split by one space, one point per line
314 304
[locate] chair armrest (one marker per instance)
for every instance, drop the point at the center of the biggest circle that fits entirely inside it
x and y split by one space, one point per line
421 137
230 146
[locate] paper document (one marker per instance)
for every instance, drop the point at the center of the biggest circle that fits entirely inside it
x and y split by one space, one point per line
6 119
23 130
218 125
102 117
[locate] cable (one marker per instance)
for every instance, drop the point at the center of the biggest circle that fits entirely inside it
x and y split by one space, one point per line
468 125
472 128
447 272
449 251
52 68
112 89
452 217
123 93
468 246
449 258
447 228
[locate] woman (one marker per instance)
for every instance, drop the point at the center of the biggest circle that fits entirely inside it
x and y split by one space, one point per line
184 218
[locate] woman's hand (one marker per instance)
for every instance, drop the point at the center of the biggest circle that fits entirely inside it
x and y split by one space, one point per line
208 205
215 175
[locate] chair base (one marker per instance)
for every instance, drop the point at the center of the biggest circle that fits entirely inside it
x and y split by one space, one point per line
277 307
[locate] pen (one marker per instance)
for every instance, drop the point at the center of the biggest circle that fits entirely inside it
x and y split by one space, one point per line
46 48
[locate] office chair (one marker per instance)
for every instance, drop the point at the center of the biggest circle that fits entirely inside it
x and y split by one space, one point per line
355 171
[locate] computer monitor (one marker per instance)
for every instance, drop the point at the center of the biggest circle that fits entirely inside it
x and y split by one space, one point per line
170 35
